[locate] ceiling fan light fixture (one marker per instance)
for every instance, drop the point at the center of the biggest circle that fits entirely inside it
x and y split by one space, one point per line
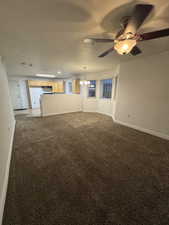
84 82
124 47
88 41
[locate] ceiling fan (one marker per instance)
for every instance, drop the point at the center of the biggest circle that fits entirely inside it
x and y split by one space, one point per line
127 38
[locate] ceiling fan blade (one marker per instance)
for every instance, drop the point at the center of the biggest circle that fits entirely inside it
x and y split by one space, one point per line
140 13
102 40
135 51
106 52
155 34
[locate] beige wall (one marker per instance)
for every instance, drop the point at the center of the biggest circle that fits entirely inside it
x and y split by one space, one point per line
143 93
6 134
98 104
60 103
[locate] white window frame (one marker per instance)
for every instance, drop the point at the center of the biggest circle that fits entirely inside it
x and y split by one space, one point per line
101 88
89 88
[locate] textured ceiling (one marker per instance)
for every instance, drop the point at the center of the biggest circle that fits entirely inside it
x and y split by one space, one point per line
49 34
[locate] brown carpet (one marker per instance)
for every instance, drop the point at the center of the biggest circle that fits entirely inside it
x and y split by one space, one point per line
83 169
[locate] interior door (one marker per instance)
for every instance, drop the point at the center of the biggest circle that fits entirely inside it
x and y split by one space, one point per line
35 93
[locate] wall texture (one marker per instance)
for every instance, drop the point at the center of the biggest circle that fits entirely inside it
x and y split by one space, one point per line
143 94
7 124
19 94
60 103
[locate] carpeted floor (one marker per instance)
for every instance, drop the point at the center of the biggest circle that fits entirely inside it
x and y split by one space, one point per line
83 169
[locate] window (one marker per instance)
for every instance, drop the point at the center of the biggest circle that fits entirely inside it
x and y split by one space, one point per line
70 87
92 88
106 88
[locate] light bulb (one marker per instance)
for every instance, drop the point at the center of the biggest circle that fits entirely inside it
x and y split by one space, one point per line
88 41
124 46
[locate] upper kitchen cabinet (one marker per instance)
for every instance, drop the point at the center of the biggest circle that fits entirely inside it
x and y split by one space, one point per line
40 83
76 86
59 86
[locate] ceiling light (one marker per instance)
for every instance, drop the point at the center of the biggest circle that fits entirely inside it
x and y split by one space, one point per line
45 75
88 41
84 82
124 46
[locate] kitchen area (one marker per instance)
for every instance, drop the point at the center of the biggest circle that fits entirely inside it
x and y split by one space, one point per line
28 95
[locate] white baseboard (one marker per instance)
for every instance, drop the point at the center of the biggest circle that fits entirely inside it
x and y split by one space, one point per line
90 111
53 114
107 114
5 184
145 130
